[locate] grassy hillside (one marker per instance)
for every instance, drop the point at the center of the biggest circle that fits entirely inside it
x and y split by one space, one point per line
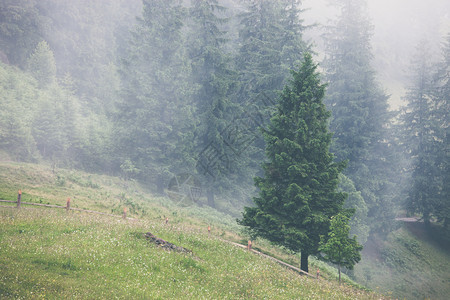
54 253
412 263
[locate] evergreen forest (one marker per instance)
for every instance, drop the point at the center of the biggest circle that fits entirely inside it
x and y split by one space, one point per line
235 100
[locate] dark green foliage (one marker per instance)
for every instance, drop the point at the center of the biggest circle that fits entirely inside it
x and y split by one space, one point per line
337 247
154 123
419 138
360 117
216 81
270 36
271 45
298 193
21 29
440 112
191 83
425 137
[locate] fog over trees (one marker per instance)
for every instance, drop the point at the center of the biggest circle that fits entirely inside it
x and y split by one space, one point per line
149 90
397 27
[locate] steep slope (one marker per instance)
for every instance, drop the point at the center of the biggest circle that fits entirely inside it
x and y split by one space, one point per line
412 262
54 253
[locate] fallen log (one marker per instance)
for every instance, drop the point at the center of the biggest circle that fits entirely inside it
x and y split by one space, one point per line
165 244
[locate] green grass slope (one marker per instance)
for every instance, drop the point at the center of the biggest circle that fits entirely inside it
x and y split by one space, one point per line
57 254
412 263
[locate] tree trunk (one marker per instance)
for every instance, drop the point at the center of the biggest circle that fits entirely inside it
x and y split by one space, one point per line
339 268
210 196
426 219
160 185
304 261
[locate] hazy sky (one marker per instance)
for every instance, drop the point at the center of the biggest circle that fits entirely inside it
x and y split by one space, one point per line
398 26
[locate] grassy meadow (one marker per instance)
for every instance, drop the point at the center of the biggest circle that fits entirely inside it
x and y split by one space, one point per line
47 253
410 263
50 253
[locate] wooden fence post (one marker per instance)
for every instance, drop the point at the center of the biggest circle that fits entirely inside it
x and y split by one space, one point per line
68 204
19 198
124 212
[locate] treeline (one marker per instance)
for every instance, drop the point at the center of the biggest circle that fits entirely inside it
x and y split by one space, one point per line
425 132
188 86
59 79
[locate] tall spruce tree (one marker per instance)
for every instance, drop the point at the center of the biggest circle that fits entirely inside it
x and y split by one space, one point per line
270 44
298 193
441 111
154 117
216 81
360 116
425 136
418 135
41 64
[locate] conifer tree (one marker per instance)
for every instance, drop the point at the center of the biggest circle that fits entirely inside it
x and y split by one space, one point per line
425 136
298 193
215 79
153 123
441 111
418 136
360 116
42 64
270 45
18 93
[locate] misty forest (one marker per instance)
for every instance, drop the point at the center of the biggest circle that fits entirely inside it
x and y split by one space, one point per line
301 120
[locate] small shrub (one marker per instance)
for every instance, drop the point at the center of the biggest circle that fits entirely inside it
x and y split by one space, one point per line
393 258
412 245
60 180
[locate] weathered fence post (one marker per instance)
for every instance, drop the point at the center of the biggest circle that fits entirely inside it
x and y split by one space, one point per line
68 204
19 198
125 213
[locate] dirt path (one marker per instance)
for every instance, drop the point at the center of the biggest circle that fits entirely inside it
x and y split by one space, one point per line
405 219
